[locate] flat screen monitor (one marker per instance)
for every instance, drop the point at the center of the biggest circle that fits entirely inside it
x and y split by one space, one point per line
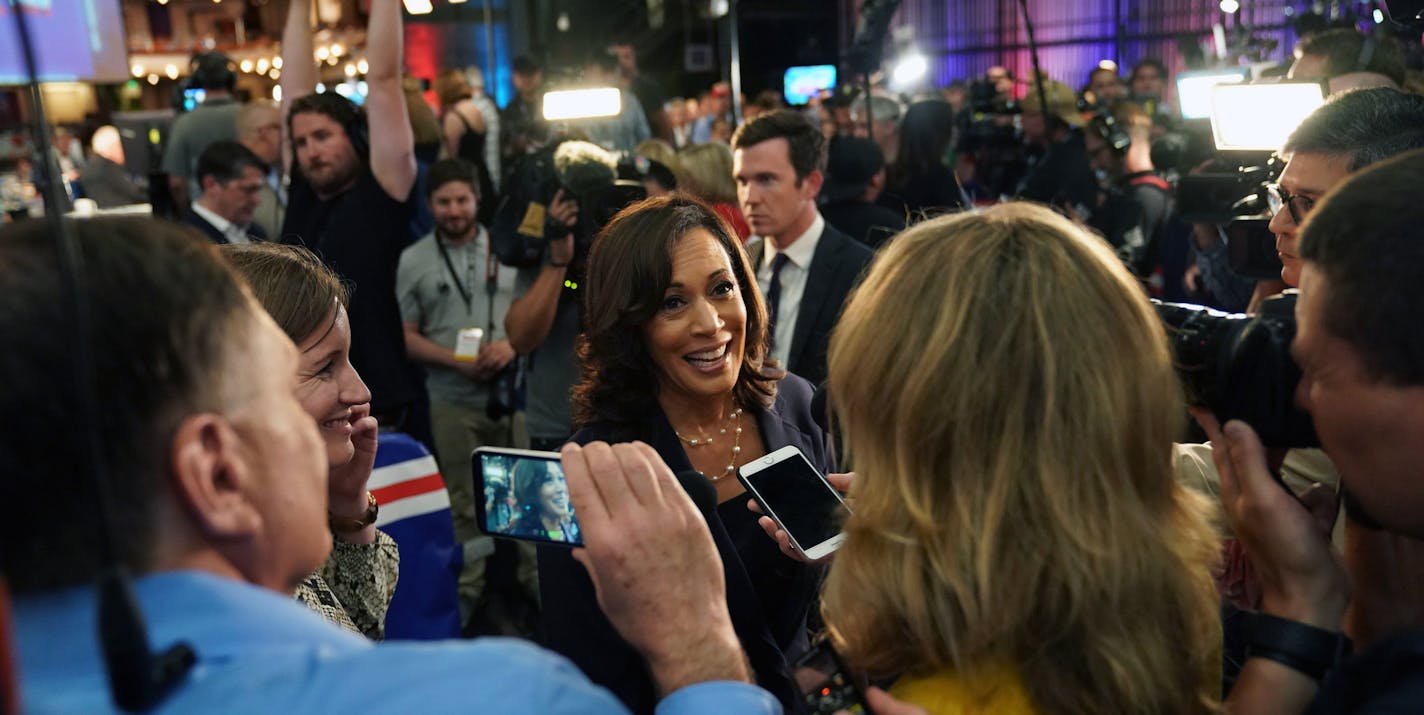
803 83
74 40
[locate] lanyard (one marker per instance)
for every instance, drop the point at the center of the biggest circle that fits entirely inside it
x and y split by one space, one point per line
491 278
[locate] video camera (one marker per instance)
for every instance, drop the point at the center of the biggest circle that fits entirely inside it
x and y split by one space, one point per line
989 135
1240 367
982 122
1247 123
522 226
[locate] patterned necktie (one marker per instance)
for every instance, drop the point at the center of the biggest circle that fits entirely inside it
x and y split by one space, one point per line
773 293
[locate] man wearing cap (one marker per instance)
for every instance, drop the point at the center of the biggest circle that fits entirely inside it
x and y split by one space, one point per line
855 178
1059 173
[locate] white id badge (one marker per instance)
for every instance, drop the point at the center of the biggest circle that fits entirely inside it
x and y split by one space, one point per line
467 345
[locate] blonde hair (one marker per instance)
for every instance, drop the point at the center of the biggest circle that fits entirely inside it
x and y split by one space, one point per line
1014 501
707 173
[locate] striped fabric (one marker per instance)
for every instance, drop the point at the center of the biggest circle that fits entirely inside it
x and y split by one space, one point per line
415 511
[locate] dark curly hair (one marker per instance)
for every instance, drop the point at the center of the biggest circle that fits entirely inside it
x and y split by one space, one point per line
629 269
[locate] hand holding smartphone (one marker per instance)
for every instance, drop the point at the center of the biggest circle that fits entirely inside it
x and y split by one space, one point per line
521 494
798 499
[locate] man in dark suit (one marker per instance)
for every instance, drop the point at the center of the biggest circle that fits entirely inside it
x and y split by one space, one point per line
232 177
810 267
105 179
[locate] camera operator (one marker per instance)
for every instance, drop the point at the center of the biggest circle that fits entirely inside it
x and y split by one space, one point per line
1341 137
1359 346
1058 174
1137 200
558 198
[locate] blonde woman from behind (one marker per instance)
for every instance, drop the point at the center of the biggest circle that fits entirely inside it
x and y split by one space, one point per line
1019 544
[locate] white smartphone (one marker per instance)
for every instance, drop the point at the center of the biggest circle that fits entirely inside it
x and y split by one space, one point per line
799 499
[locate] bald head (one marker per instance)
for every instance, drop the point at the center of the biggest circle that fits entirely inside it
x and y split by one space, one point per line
259 128
106 143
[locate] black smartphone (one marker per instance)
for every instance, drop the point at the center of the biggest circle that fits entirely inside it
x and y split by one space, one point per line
522 494
826 686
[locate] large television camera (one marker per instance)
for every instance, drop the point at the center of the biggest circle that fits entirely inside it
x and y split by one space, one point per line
989 134
1247 122
522 226
1240 367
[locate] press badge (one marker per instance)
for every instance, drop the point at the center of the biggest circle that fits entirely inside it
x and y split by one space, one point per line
467 345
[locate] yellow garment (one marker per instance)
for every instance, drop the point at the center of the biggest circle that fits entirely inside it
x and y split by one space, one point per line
995 690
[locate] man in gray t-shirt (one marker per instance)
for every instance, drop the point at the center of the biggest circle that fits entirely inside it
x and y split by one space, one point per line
543 324
212 121
449 283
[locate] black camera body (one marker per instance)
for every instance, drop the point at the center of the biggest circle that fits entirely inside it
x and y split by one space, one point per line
1240 367
1233 197
522 226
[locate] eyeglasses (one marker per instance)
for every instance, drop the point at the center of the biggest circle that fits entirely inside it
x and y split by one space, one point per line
1299 206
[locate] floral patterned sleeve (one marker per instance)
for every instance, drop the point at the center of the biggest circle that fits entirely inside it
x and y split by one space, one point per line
363 578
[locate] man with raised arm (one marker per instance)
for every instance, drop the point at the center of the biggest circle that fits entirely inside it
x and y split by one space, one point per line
351 200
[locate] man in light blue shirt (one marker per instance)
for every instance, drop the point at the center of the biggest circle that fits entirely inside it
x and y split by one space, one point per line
217 479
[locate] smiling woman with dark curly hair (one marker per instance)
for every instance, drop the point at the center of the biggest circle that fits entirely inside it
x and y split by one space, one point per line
675 354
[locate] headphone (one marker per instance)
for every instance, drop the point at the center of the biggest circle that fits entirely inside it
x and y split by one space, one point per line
344 112
212 70
1106 126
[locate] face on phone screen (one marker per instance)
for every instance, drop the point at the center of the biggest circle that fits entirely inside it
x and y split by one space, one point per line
526 497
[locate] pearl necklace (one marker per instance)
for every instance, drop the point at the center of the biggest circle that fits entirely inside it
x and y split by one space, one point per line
736 442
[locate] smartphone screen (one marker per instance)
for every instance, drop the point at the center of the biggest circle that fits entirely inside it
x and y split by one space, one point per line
825 686
797 497
522 494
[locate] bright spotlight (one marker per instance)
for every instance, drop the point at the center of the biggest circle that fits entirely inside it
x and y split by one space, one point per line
909 70
1230 6
419 7
1194 89
1259 117
582 103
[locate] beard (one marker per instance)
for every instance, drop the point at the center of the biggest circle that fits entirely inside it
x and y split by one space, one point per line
455 227
328 178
